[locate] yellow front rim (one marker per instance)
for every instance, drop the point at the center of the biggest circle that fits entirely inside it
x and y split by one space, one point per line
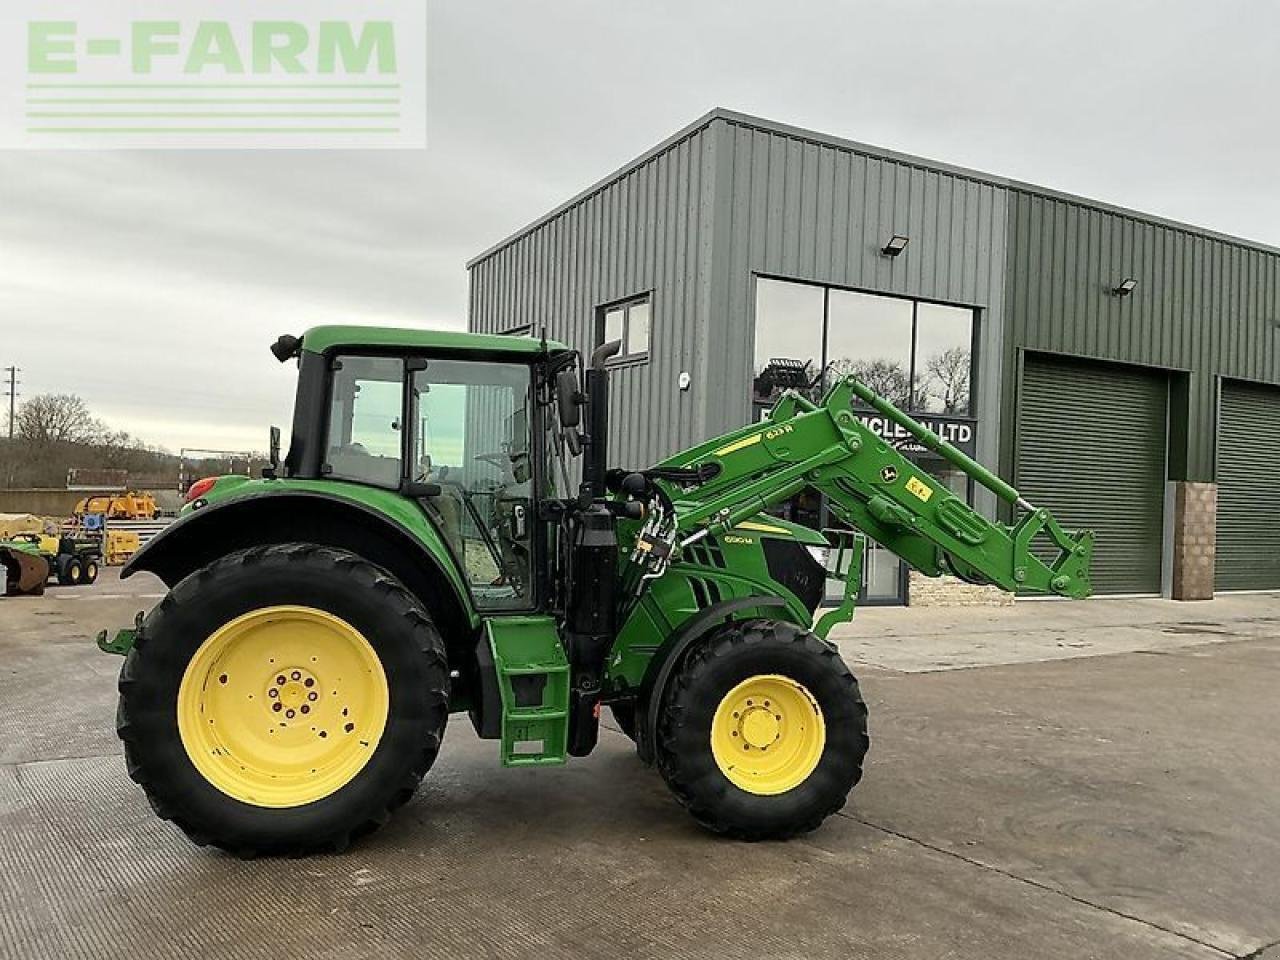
767 734
282 706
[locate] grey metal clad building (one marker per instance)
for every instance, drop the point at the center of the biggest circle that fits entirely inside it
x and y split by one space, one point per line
1120 368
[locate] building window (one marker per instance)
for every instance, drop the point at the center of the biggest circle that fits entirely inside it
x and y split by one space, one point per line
870 337
917 355
628 321
943 359
790 318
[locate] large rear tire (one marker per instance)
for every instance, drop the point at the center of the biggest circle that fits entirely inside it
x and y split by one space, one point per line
283 700
762 732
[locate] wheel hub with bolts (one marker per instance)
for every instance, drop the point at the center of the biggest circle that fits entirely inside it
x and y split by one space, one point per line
758 726
768 734
292 693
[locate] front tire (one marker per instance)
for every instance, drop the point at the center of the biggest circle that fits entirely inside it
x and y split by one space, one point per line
753 687
283 700
72 573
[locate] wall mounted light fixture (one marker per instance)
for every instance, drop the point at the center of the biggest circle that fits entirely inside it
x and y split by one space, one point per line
897 243
1125 288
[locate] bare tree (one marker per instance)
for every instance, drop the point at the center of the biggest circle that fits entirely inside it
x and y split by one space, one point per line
54 418
947 378
886 377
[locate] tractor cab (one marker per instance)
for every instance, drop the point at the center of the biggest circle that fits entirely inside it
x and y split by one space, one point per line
459 423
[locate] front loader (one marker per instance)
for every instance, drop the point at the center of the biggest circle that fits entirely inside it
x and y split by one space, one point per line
423 550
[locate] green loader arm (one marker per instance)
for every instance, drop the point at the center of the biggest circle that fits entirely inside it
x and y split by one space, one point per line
872 487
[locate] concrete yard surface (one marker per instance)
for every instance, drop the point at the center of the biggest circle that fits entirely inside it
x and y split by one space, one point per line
1050 780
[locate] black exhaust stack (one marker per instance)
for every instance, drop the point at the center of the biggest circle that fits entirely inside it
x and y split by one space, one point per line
595 462
591 614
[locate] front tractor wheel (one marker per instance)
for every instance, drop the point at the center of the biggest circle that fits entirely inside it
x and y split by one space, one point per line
283 700
763 731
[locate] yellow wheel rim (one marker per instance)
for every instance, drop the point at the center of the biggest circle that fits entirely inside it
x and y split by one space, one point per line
767 734
282 706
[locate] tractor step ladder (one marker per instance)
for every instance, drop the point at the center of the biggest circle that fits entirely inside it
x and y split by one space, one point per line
533 682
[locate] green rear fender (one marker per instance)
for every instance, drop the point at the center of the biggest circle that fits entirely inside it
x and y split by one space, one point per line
380 525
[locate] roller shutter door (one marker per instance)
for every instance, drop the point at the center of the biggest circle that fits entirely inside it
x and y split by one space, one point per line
1091 444
1248 551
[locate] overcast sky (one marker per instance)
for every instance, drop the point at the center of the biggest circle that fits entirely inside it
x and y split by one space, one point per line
151 282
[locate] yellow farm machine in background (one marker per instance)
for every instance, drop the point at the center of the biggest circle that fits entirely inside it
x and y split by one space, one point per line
120 506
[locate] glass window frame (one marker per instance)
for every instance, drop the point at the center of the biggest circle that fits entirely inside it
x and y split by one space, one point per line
540 537
975 324
626 304
326 468
975 316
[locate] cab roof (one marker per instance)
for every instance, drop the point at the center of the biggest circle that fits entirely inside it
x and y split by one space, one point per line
326 338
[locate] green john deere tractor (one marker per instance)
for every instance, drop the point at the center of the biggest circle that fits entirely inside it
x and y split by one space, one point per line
423 551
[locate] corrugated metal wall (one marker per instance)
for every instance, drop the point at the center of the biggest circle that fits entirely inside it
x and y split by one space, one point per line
646 231
731 196
818 211
1202 304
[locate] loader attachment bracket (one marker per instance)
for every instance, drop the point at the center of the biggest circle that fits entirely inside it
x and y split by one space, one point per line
848 548
124 639
120 644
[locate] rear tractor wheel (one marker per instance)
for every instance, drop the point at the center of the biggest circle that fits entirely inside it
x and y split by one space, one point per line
762 732
283 700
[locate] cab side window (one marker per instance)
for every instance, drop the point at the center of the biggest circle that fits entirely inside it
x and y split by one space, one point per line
365 412
471 437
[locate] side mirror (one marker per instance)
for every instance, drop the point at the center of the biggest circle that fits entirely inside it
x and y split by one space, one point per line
567 398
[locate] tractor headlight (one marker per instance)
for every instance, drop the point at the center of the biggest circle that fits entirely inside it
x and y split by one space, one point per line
821 555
